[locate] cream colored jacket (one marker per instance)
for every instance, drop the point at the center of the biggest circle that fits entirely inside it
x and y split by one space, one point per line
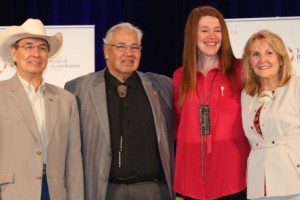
274 160
21 147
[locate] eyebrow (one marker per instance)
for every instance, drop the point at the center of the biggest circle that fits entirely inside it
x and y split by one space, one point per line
135 43
215 27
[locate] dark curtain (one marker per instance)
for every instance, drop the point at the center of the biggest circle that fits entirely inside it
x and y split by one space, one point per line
162 21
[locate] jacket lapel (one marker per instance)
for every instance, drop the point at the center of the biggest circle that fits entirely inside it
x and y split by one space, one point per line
99 102
153 97
19 97
51 112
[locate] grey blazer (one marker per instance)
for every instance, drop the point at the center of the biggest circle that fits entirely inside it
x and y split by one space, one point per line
91 94
21 161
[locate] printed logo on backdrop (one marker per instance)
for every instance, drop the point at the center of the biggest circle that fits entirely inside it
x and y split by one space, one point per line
54 64
294 54
286 27
6 71
3 66
61 63
70 62
291 53
289 49
298 55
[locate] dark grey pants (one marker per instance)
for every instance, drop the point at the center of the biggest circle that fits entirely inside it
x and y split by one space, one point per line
138 191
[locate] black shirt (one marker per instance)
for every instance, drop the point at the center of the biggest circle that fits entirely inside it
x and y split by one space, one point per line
132 119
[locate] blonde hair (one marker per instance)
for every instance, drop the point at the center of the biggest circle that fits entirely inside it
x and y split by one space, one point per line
251 81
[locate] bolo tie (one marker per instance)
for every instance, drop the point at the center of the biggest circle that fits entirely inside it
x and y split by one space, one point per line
122 93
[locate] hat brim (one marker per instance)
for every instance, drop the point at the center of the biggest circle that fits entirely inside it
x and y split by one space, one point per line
15 33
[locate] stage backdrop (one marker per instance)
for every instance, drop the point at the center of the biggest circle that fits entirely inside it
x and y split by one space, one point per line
75 58
287 27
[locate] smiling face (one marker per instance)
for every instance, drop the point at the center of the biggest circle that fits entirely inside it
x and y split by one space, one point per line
264 61
209 36
30 59
121 64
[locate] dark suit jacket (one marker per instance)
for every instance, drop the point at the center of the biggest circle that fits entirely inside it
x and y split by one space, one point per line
91 94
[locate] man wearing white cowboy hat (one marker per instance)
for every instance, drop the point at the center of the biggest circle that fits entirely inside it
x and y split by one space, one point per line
40 148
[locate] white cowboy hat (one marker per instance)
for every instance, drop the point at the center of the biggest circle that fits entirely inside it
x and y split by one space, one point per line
30 28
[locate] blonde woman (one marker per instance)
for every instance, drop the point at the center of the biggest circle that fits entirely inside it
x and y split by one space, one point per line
271 119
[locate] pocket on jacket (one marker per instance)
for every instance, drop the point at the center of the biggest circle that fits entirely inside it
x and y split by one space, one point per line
6 177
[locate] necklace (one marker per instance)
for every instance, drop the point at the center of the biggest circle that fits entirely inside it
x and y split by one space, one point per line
265 96
204 116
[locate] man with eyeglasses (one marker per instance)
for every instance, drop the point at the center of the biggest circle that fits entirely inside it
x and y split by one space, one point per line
126 124
40 147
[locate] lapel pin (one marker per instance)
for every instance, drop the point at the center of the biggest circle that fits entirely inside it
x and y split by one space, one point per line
222 90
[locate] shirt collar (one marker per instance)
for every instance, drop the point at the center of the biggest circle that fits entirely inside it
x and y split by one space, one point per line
29 87
132 80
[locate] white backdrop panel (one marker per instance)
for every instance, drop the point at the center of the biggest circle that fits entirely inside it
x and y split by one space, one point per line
76 57
287 27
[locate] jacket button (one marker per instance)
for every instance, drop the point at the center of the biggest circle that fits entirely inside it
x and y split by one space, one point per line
39 153
38 178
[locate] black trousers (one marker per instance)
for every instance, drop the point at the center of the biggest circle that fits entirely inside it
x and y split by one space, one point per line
138 191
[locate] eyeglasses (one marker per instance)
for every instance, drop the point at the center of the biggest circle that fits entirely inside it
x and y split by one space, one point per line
30 47
124 47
